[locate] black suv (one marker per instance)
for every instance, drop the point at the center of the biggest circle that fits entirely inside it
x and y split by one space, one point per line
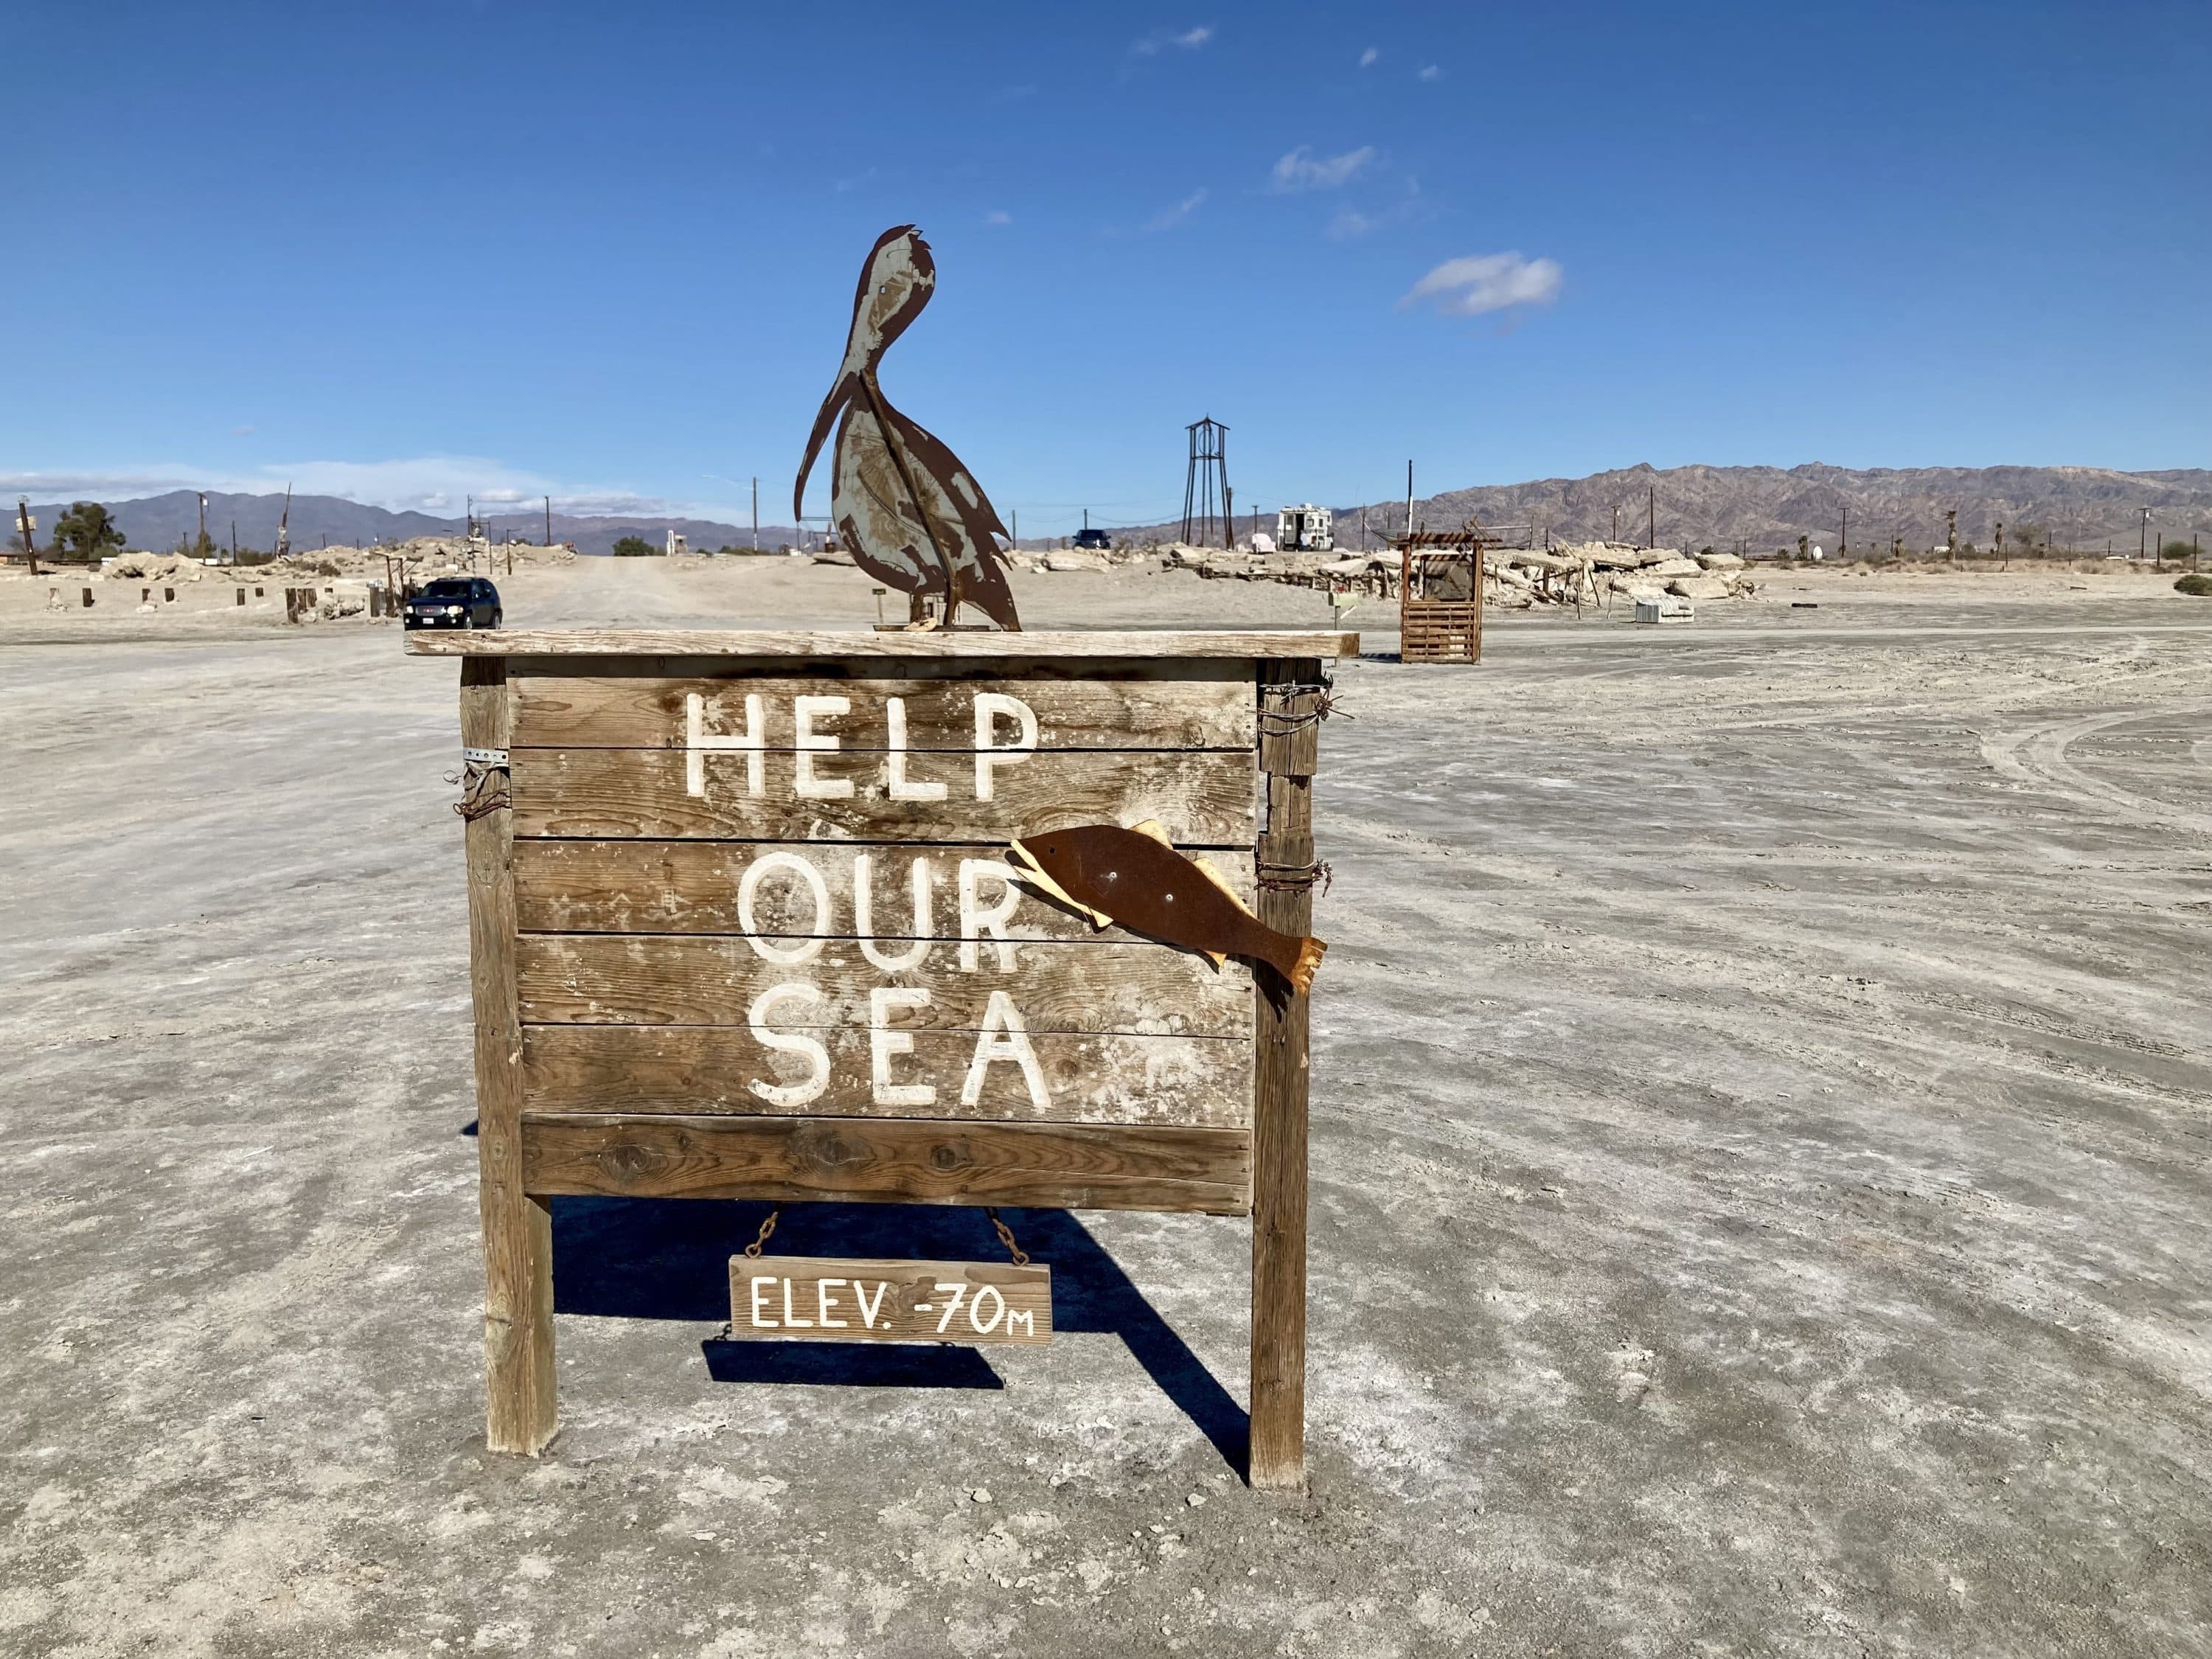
1097 540
455 602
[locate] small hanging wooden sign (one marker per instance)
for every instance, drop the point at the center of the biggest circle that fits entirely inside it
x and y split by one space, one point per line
824 1298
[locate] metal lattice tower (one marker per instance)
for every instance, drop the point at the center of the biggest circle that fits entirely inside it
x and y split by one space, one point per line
1206 500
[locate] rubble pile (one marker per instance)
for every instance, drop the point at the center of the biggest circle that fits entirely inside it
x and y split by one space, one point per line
1514 579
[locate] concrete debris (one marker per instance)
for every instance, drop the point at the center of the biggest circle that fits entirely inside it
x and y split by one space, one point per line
1075 559
1702 587
158 567
1515 579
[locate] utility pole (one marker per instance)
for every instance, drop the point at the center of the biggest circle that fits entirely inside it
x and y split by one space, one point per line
1844 541
1409 498
2142 530
199 548
1651 521
755 515
23 523
549 521
1951 533
234 541
2005 559
1616 522
1017 529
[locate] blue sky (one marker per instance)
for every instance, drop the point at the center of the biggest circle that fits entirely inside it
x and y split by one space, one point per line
406 252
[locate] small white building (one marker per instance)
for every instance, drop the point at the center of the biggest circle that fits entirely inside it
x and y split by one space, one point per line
1305 528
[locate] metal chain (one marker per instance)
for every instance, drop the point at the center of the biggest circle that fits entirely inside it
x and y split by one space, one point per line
767 1227
1007 1238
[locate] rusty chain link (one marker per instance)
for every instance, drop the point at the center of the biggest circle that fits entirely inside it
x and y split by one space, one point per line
1007 1238
767 1227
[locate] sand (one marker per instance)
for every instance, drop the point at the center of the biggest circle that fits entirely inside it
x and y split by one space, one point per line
1760 1186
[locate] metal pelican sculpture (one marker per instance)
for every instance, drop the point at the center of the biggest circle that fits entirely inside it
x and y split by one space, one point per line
912 515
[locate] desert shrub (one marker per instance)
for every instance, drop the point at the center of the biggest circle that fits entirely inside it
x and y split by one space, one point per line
2200 587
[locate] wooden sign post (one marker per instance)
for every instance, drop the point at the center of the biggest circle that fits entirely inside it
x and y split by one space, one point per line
742 925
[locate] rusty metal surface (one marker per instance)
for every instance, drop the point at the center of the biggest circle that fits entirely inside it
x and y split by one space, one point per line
1137 880
911 514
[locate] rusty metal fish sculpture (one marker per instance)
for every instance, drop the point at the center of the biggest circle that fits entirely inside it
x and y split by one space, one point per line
911 514
1134 879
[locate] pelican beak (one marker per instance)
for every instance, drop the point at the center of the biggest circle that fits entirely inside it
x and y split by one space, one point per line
840 395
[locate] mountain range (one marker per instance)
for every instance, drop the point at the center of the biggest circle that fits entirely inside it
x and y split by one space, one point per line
1753 508
1761 508
160 522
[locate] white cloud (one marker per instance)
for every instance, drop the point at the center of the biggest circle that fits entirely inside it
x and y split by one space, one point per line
1367 57
998 216
1430 73
1301 170
1351 223
1487 282
1171 217
1160 40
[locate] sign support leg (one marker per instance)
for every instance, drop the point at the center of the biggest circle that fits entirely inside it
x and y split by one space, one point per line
1288 752
518 1230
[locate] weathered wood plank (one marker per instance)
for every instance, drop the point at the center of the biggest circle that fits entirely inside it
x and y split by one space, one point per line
1203 799
694 886
829 647
519 1410
828 1298
898 1161
616 979
1279 1206
933 714
851 1071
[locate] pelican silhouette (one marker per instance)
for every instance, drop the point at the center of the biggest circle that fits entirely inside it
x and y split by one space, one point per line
912 516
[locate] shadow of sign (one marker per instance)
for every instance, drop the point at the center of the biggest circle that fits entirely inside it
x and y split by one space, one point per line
625 1258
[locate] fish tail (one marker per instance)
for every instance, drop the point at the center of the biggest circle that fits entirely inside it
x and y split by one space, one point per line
1302 973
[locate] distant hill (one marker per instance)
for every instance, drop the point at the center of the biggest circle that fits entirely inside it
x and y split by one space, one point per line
159 522
1758 508
1765 507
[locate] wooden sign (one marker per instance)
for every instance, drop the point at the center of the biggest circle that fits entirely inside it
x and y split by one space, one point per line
743 924
816 1298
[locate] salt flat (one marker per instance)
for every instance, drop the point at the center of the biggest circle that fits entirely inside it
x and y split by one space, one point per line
1761 1199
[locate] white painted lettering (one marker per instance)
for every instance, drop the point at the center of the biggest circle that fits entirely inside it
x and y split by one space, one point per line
791 1043
822 1301
697 745
1023 1320
975 921
990 707
791 1322
867 1308
903 787
981 1326
759 1290
1005 1036
951 1307
864 915
808 743
804 949
886 1043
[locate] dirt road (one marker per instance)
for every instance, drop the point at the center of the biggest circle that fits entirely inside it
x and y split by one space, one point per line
1762 1200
